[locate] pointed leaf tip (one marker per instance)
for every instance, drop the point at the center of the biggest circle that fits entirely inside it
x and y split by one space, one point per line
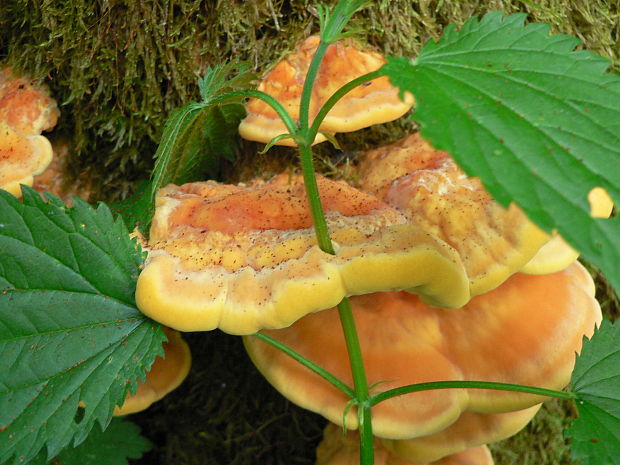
69 330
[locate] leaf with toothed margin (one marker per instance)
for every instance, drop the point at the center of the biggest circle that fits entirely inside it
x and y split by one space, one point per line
199 134
136 210
72 342
196 138
535 120
596 383
114 446
120 441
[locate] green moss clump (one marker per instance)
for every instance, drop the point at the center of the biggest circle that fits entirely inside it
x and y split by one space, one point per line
119 68
541 441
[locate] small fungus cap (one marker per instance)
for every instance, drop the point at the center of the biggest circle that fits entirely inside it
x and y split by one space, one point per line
339 449
497 336
21 157
243 258
26 107
25 111
435 194
165 375
375 102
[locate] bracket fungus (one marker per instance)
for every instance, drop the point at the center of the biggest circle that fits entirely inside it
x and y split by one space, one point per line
165 375
339 449
244 257
426 184
472 429
495 337
26 110
375 102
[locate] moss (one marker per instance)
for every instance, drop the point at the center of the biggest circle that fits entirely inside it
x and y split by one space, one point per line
541 441
120 67
609 300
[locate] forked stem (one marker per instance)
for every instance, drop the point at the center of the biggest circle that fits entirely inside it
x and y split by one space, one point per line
323 239
326 375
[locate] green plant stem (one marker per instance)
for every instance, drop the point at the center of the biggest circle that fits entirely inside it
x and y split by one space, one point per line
346 389
336 96
277 106
344 307
324 241
374 400
314 200
359 381
306 94
344 310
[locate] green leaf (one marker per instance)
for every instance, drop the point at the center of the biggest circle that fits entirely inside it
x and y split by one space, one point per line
596 383
119 442
69 328
136 210
536 121
221 139
177 143
221 79
196 137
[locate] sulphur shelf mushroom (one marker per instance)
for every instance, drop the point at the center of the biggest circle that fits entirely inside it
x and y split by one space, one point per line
243 258
375 102
165 375
471 430
434 193
339 449
526 331
26 110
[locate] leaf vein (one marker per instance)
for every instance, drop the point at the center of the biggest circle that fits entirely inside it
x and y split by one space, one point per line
63 372
531 86
550 137
512 154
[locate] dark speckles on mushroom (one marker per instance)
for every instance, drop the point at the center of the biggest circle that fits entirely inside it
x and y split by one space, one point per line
437 196
269 265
